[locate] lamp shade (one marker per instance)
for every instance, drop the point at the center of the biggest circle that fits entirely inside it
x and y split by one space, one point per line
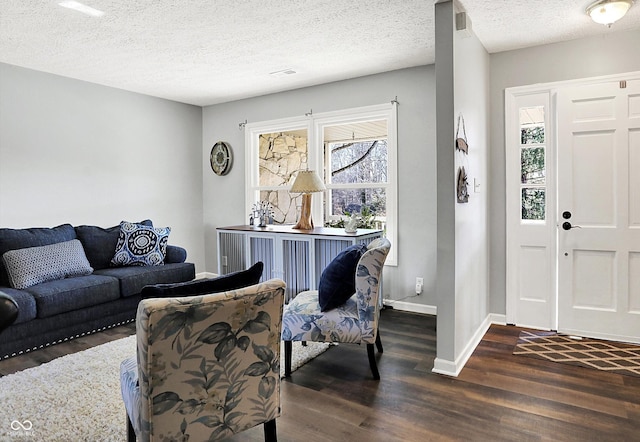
307 181
607 12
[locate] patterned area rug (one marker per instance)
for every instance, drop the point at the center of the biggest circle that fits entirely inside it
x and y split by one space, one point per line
77 397
614 357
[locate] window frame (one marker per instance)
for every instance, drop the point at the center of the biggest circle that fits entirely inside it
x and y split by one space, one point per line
314 124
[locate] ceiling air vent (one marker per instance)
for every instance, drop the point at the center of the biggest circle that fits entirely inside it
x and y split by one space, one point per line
283 73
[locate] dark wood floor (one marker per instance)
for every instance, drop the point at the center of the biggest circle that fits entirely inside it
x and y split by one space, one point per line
497 397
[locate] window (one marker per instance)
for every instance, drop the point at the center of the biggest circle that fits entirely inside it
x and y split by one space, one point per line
281 155
532 164
353 150
356 172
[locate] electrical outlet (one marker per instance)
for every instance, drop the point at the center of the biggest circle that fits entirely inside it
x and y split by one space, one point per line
419 284
224 260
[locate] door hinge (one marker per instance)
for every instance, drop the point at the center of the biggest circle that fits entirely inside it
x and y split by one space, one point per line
623 84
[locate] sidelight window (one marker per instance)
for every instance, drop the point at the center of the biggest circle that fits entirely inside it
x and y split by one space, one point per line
533 167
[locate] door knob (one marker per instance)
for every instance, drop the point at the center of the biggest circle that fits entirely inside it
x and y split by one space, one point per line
566 214
567 226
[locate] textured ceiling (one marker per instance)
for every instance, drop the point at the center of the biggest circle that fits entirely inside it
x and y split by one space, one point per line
211 51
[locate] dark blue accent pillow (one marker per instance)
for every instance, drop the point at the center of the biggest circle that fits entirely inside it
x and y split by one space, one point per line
338 280
232 281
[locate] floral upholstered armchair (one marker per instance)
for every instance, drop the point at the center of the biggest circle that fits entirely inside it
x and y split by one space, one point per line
355 321
207 366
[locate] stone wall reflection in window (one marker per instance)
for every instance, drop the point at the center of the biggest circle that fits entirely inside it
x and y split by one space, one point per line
281 155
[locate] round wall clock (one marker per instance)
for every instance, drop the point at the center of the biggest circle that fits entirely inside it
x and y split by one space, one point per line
220 158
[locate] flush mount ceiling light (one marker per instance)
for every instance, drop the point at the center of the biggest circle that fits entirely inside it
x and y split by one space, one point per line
607 12
77 6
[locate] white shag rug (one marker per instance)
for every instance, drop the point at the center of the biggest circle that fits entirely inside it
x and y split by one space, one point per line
77 397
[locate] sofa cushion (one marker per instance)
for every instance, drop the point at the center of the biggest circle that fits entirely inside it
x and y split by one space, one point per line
100 243
133 279
35 265
232 281
64 295
12 239
338 280
175 254
26 304
141 245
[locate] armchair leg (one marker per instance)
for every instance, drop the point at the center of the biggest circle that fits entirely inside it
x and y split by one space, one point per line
270 430
288 347
372 361
131 434
378 341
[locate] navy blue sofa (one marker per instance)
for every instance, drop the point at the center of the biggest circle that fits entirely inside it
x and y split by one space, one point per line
63 309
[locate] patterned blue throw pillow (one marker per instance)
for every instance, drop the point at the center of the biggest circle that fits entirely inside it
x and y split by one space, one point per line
140 245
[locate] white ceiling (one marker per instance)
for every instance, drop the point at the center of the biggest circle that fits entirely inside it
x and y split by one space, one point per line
211 51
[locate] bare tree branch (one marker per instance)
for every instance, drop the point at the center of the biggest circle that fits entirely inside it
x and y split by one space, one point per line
344 146
356 162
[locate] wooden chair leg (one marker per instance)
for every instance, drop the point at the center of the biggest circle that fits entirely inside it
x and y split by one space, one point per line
288 348
378 341
131 433
372 361
270 429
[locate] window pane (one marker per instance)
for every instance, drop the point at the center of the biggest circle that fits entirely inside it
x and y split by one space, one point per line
285 205
532 165
533 204
359 162
281 155
532 125
354 200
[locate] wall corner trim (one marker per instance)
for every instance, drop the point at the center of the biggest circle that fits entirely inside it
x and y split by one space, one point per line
453 368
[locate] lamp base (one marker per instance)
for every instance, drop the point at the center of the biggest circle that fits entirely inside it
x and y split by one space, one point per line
305 222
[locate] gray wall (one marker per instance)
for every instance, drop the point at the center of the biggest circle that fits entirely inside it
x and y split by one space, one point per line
415 89
472 228
613 53
462 76
79 153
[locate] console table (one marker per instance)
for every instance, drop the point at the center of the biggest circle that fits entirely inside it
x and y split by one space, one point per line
296 256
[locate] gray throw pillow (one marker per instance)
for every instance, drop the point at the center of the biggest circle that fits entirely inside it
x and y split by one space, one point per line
35 265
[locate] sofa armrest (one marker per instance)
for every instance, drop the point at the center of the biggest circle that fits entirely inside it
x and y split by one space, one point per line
8 310
175 254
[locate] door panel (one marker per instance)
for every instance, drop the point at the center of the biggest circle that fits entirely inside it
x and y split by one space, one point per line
634 283
634 178
593 155
598 160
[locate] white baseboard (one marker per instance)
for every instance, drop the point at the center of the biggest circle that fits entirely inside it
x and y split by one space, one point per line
453 368
411 307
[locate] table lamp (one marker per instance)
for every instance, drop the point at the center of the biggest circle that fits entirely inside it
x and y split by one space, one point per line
306 183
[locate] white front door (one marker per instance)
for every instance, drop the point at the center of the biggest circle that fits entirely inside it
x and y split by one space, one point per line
599 210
